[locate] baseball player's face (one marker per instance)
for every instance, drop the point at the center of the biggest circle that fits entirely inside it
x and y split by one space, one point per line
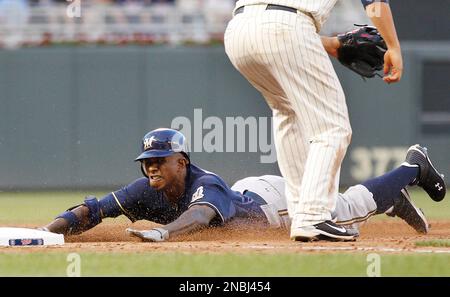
164 172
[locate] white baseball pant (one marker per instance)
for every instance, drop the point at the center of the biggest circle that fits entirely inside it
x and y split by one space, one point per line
354 206
281 55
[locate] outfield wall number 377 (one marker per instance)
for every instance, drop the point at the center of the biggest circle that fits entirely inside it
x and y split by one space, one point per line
368 162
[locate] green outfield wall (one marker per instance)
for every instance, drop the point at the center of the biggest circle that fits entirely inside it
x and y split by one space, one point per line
73 118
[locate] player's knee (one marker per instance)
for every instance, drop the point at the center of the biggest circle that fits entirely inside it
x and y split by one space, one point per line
338 138
348 135
344 137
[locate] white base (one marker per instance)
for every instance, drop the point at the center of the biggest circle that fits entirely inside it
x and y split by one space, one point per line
28 237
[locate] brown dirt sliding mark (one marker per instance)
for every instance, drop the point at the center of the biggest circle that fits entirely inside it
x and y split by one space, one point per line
389 235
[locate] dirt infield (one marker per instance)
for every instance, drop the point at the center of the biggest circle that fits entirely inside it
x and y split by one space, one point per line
392 236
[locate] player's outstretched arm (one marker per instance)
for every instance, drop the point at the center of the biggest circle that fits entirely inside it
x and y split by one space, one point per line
63 226
193 219
381 15
82 217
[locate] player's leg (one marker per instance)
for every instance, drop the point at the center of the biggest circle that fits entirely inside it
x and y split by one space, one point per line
304 103
249 49
387 194
289 140
271 189
87 215
307 76
77 219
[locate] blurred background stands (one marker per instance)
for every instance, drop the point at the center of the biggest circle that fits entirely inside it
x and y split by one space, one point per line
42 22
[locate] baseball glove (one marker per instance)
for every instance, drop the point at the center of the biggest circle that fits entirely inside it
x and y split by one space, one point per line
362 50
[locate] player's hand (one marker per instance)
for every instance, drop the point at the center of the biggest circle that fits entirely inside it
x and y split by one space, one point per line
393 65
331 45
152 235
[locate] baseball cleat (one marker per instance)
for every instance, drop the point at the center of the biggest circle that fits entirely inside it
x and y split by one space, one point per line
429 178
407 211
323 231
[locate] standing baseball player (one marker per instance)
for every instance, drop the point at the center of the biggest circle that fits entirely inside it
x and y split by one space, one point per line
183 197
275 45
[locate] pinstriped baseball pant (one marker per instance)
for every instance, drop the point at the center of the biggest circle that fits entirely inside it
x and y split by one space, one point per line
281 55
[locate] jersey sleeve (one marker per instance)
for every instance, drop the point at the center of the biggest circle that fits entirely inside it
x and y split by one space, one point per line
209 191
368 2
125 200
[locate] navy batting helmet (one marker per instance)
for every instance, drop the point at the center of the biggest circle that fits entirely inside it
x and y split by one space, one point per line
163 142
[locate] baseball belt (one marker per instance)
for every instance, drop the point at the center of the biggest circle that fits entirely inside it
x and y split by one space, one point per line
269 7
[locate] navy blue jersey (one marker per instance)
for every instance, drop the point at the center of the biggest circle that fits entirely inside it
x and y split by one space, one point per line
139 201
